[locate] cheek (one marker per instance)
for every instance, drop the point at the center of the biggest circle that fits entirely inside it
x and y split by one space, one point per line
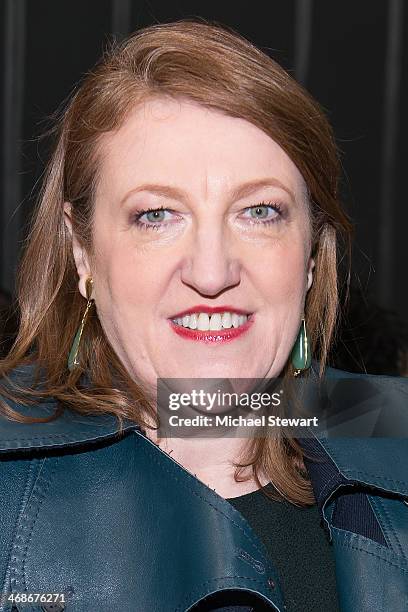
283 273
127 281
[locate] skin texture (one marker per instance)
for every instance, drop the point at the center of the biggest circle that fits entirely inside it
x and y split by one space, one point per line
209 250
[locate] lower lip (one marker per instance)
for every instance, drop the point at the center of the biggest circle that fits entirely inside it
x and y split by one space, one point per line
212 336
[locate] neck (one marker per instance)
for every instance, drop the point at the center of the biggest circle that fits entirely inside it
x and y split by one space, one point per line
211 461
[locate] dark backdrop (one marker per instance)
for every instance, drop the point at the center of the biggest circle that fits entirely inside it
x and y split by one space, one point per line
352 55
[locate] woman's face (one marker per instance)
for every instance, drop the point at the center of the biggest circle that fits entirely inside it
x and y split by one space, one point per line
233 235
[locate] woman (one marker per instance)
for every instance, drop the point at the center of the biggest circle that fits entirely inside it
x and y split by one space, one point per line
187 227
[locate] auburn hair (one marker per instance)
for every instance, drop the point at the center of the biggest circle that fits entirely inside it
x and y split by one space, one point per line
212 65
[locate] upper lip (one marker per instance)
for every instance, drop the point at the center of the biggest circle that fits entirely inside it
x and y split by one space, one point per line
210 310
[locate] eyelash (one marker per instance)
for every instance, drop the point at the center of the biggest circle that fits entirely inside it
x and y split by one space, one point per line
149 226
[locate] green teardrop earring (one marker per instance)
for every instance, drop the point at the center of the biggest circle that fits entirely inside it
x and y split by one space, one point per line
301 352
73 360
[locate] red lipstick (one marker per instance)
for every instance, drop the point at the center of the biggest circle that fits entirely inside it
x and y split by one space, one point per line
212 336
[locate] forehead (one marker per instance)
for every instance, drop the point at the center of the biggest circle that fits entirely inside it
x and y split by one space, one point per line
186 144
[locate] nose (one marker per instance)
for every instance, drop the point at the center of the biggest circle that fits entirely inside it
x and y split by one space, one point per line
210 266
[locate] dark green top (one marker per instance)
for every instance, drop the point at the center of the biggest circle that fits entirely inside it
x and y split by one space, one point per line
297 547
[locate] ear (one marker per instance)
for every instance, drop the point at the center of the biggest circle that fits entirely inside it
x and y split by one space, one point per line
78 251
310 269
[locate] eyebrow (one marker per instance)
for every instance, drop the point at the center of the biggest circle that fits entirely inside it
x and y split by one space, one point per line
241 191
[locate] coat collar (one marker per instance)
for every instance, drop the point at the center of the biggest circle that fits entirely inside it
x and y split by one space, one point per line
69 429
377 462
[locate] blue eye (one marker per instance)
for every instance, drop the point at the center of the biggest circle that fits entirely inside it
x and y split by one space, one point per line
265 213
155 215
154 218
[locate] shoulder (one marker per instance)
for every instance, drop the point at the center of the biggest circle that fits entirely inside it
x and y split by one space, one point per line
330 372
360 481
64 427
366 428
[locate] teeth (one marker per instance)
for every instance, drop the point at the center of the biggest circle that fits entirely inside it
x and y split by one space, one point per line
215 321
203 322
193 321
226 320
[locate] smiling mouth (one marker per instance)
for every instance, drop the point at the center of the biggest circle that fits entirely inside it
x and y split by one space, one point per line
217 321
214 328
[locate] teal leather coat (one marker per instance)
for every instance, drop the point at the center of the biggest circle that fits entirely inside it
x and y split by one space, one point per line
114 523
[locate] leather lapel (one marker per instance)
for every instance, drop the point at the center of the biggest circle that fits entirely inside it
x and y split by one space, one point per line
128 514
